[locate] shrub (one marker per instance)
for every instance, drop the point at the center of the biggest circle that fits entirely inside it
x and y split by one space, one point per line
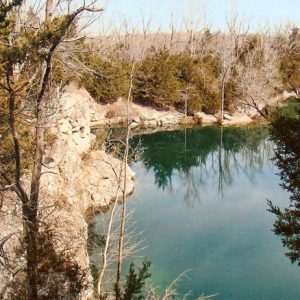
135 282
211 100
112 113
162 80
26 139
109 79
59 274
232 93
199 79
194 103
157 81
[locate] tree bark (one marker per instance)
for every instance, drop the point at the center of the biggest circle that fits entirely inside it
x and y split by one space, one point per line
49 9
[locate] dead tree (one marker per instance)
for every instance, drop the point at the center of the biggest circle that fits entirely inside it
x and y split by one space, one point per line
124 192
258 73
229 51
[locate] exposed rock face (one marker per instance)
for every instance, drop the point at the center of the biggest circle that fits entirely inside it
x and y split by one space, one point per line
85 177
77 182
115 114
82 182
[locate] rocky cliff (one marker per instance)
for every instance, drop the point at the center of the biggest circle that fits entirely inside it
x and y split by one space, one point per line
77 182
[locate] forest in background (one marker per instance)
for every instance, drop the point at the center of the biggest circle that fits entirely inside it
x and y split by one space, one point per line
196 69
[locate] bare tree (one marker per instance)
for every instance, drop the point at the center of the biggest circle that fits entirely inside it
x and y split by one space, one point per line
132 242
192 22
258 72
170 291
173 30
50 6
229 47
124 194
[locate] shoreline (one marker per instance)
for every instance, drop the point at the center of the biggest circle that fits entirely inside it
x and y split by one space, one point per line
147 117
113 115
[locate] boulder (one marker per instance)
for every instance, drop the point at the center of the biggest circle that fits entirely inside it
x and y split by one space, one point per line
227 117
206 118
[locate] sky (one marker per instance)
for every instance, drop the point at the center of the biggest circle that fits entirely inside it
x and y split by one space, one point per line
255 12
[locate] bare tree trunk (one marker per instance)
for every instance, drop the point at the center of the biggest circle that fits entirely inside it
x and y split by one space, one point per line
108 236
123 216
223 91
19 187
185 103
50 4
30 211
173 31
103 269
28 214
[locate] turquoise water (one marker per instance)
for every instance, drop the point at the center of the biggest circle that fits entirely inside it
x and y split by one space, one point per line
200 202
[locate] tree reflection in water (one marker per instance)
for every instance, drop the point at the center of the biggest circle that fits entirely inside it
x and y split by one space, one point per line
200 153
285 132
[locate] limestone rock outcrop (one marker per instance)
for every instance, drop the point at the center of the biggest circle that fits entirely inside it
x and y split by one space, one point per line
78 181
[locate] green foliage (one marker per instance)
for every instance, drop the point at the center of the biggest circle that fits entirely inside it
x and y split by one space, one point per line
7 157
232 92
210 97
109 78
60 276
157 81
135 281
61 75
188 77
285 132
162 80
212 65
5 9
199 78
30 47
291 109
166 79
194 101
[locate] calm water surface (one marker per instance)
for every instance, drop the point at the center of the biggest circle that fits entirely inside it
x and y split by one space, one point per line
200 201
